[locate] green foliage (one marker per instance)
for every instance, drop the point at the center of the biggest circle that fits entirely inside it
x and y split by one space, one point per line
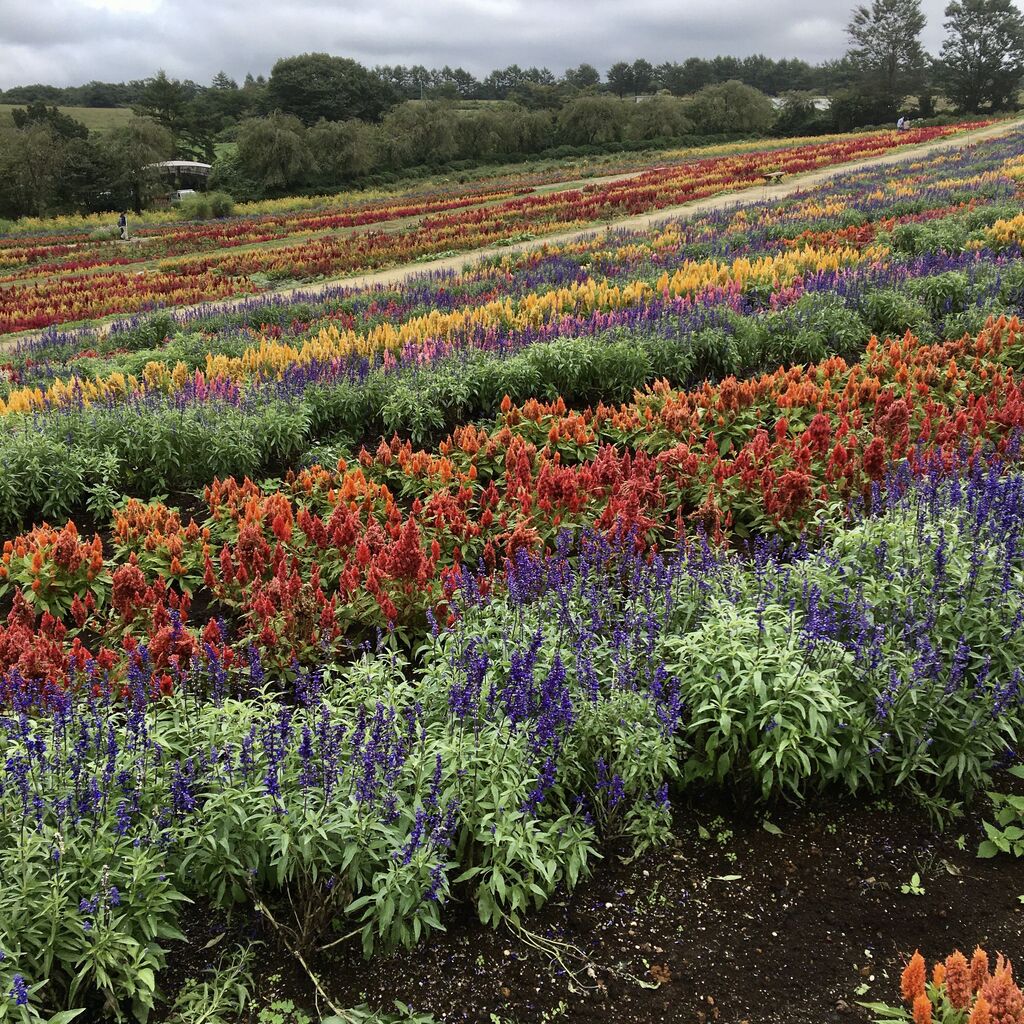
312 86
947 235
206 206
982 60
886 49
63 125
890 314
730 107
273 152
592 120
914 887
941 294
762 710
221 998
1006 834
111 947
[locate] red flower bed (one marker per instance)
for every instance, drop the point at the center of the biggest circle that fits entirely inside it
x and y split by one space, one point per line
305 569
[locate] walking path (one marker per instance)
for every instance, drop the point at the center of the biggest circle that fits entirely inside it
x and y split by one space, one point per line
722 200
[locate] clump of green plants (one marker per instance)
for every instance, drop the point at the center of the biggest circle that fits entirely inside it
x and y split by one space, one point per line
206 206
1006 833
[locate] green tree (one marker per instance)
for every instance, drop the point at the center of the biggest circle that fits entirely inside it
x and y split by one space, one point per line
886 48
228 175
105 94
592 121
32 161
982 59
421 133
85 177
643 76
660 117
315 86
179 107
731 108
131 151
586 76
344 150
273 151
798 116
487 134
224 103
537 96
454 83
63 125
620 78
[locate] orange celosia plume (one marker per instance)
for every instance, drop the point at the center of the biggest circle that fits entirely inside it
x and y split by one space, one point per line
922 1010
979 969
1004 997
912 982
982 1012
958 980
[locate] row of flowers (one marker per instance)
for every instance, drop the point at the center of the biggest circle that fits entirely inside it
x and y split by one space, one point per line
71 299
551 292
555 211
46 302
557 713
34 261
309 566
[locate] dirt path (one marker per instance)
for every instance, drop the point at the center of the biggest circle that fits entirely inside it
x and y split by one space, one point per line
723 200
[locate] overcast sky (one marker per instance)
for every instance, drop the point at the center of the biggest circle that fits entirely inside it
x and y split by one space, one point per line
69 42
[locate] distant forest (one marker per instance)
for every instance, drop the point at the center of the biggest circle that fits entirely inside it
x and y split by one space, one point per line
324 122
529 86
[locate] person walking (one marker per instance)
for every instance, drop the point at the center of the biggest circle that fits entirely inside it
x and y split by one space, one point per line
122 223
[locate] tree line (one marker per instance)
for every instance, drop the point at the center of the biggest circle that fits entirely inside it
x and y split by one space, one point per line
322 121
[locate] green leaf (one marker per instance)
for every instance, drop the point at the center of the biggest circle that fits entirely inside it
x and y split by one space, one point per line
64 1016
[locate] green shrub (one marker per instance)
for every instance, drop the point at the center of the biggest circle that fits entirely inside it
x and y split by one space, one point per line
941 294
206 206
764 712
890 314
221 204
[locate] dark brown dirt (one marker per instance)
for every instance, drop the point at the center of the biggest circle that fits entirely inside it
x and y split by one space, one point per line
730 923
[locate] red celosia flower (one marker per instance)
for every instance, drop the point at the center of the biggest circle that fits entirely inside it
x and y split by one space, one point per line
129 589
874 459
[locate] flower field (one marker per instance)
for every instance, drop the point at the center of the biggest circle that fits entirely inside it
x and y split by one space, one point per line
57 278
353 616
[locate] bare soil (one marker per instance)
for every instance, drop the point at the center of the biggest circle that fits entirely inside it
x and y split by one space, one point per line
730 922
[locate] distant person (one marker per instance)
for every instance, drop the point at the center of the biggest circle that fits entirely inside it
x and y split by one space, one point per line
122 224
901 124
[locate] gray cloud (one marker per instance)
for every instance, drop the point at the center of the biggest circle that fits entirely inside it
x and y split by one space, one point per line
68 42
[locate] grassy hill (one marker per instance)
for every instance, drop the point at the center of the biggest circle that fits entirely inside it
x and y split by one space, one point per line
96 119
